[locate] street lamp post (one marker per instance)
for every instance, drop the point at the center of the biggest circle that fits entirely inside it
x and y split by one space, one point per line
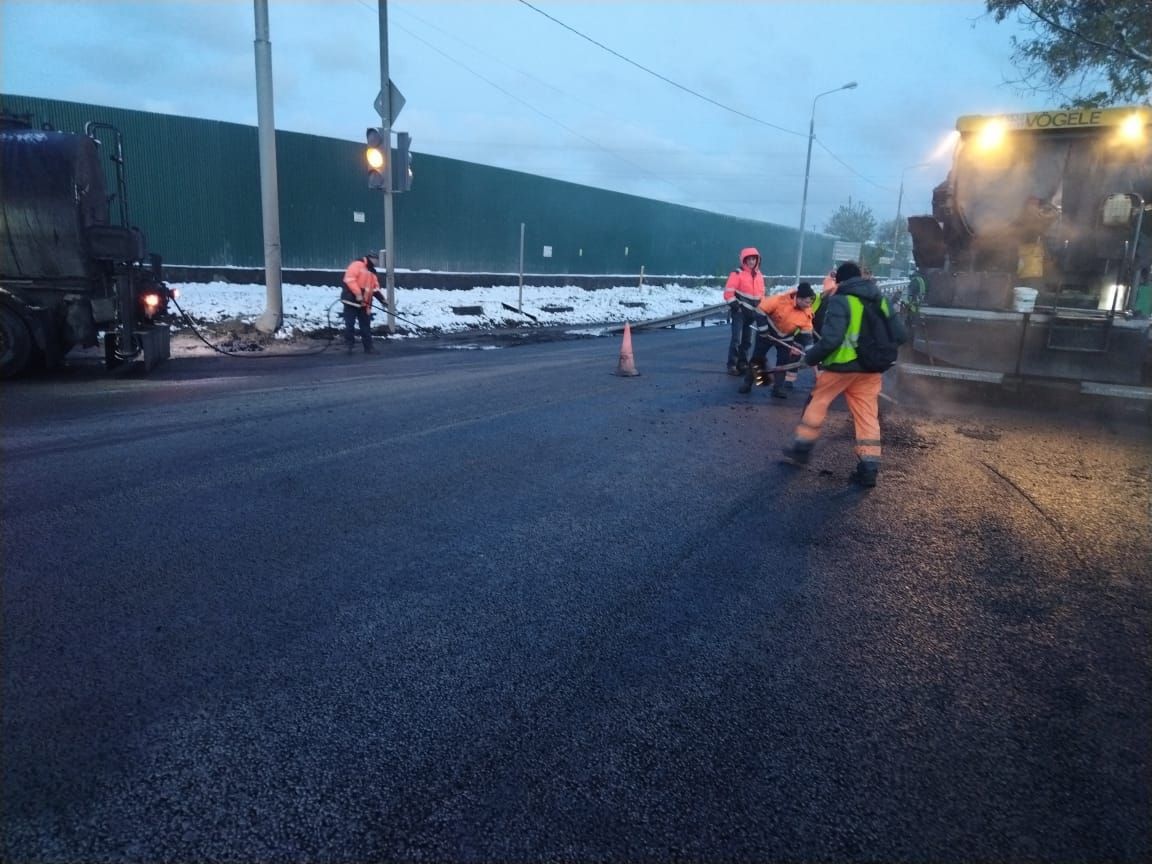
807 167
899 204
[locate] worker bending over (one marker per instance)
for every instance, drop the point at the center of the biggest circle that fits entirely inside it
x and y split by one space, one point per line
785 324
360 286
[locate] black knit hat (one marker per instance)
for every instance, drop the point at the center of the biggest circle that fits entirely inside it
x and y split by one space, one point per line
804 290
847 270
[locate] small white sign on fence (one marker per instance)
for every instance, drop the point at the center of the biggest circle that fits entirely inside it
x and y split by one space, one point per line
547 251
845 251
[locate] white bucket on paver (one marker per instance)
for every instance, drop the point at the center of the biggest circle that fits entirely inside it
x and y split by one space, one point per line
1024 299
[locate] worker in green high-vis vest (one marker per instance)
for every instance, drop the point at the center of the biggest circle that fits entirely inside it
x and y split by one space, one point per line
846 369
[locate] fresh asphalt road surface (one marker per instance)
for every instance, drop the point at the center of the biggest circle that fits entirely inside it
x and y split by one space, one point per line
504 605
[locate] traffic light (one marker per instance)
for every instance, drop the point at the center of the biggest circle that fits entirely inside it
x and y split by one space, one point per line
374 154
402 163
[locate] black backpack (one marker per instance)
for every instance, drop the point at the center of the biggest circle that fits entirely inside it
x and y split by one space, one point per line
876 347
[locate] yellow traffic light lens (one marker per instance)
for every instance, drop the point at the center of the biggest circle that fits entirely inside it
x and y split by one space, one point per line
375 158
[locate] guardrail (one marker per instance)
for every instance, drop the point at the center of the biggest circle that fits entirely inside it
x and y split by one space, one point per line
888 287
720 310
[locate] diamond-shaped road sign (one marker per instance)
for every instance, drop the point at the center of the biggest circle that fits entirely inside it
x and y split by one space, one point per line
395 97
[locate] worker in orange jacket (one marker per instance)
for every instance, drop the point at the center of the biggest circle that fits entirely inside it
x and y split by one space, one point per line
360 286
785 324
743 291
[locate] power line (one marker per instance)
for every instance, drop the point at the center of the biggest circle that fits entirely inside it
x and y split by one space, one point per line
824 147
678 149
689 90
663 78
499 60
543 114
628 60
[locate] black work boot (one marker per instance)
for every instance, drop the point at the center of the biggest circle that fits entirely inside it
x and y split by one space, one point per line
798 453
865 474
778 393
751 376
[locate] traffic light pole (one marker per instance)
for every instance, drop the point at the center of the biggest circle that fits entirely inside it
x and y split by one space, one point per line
386 130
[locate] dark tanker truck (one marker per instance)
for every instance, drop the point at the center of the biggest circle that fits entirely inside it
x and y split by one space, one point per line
73 269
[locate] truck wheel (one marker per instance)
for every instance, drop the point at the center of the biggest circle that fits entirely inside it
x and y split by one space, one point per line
15 343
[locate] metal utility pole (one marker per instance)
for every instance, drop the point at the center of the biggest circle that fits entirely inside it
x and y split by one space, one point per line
896 229
386 131
273 315
520 293
896 224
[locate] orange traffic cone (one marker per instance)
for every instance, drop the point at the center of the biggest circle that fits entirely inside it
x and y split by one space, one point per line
627 367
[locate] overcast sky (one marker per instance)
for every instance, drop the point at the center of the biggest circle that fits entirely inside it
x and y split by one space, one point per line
496 82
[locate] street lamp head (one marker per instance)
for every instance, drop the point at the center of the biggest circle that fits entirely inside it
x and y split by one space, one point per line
851 85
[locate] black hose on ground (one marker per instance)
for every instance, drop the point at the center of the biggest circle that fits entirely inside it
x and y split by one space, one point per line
331 339
247 354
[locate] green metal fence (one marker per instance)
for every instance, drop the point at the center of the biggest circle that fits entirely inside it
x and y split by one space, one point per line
194 187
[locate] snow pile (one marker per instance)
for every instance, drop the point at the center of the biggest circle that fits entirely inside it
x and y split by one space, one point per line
223 313
310 308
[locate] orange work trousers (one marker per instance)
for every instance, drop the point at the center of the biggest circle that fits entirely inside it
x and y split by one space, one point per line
862 393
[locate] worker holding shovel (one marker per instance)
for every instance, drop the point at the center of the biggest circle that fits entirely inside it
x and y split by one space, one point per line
360 286
785 323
